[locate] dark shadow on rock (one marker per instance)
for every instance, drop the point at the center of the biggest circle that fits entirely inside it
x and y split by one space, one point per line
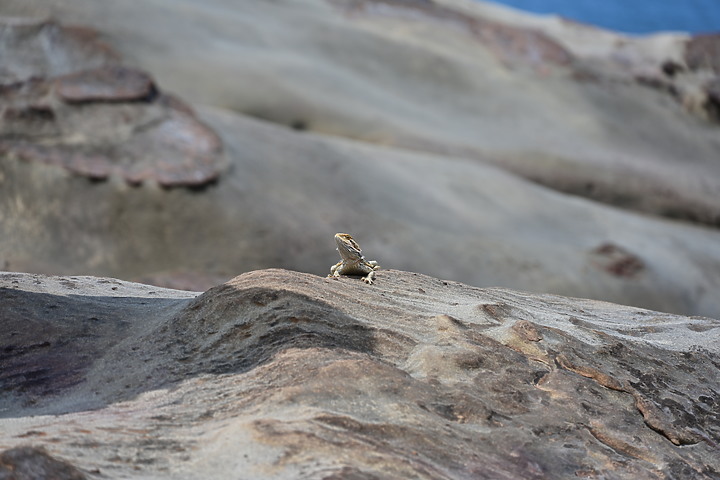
50 342
113 348
268 321
31 463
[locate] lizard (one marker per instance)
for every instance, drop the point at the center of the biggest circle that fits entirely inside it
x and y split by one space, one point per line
353 262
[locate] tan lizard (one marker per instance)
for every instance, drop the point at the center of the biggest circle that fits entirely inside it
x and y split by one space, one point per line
353 262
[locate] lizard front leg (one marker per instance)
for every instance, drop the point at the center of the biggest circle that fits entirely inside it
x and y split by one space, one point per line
335 270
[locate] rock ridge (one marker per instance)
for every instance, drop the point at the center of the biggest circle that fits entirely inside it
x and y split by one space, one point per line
281 374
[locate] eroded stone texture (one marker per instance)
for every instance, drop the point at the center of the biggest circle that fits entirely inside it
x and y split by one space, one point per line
703 52
108 84
418 75
712 101
514 46
100 121
42 48
28 463
617 261
279 374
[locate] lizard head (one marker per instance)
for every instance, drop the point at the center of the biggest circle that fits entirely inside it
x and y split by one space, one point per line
348 247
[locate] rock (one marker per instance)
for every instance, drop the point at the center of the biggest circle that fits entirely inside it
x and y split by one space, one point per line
36 47
515 46
192 281
448 77
138 142
618 261
98 122
29 463
286 194
108 84
422 128
703 52
712 104
279 374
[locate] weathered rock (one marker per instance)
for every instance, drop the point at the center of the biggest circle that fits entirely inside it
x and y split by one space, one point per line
692 80
278 374
703 52
472 222
108 84
192 281
33 47
617 261
515 46
138 142
449 77
416 78
712 104
29 463
97 122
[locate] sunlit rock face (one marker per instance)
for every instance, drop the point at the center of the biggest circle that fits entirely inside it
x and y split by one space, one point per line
455 139
281 374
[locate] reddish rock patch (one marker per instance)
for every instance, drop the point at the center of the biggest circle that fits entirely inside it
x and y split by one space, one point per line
106 84
617 261
512 45
515 45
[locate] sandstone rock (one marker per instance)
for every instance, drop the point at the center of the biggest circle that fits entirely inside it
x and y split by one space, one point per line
286 194
703 52
108 84
193 281
712 103
515 46
36 47
618 261
278 374
548 101
28 463
452 77
97 122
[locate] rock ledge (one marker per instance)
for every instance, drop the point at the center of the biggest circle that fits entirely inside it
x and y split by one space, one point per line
280 374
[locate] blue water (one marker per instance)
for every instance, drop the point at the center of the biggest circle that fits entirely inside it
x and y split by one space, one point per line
632 16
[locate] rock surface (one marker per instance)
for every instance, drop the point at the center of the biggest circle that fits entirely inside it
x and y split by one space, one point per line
570 106
287 193
434 100
278 374
73 105
27 463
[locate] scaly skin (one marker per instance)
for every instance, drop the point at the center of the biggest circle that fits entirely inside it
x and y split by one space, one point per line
353 262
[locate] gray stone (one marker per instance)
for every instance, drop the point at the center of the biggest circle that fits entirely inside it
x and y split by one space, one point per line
30 463
421 128
554 101
58 107
109 84
278 374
